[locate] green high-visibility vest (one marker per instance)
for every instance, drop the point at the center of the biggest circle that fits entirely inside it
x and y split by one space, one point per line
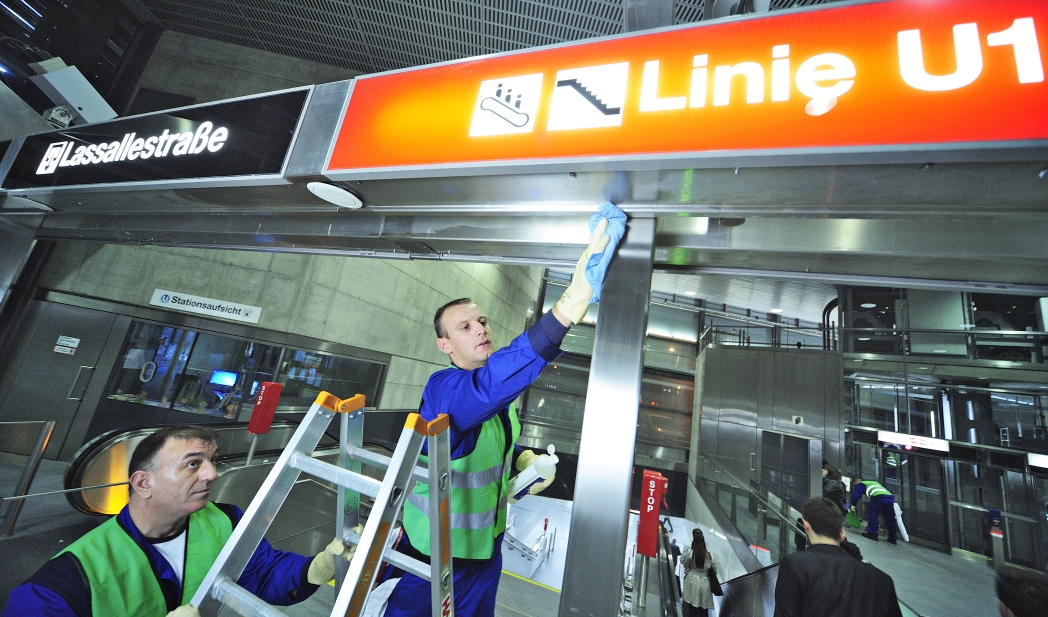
121 576
874 489
479 487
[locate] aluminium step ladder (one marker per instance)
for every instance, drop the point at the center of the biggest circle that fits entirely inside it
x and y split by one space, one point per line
355 579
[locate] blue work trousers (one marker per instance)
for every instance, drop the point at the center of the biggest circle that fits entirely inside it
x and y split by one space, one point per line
475 587
882 504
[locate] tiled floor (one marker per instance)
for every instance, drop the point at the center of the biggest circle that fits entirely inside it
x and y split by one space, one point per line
932 583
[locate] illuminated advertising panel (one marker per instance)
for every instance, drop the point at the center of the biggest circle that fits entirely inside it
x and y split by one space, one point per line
878 76
913 443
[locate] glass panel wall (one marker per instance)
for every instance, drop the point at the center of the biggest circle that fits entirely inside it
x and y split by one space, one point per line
943 325
978 488
557 400
166 367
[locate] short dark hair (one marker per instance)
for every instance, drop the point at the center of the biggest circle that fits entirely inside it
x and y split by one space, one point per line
824 516
438 325
1023 591
833 472
144 455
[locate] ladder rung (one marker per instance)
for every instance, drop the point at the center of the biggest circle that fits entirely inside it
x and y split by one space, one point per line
400 560
379 460
333 473
242 601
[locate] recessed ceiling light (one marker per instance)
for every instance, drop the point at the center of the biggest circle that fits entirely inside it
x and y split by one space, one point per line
334 194
867 305
775 311
864 338
689 293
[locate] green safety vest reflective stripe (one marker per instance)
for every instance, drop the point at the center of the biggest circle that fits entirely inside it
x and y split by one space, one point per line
479 486
121 577
874 489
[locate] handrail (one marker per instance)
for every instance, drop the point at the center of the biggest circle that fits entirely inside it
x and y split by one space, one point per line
971 330
668 588
771 508
35 454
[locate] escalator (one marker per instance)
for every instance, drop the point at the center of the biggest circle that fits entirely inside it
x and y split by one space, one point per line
759 534
304 525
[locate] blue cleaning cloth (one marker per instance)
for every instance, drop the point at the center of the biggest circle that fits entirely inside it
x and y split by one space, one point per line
597 266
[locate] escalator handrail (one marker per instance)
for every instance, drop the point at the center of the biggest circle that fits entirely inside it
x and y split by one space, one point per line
769 507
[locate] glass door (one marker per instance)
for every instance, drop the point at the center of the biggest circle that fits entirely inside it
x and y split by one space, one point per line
918 484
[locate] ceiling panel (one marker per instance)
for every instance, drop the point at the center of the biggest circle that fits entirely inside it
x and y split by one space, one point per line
381 35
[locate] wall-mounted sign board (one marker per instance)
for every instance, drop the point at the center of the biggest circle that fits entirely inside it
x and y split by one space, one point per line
244 137
862 78
199 305
1038 462
914 444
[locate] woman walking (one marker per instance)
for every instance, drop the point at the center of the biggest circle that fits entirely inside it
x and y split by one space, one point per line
697 562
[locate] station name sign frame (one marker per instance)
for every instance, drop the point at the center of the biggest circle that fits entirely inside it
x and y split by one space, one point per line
855 80
247 137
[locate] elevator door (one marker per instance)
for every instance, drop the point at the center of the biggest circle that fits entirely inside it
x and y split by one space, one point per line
56 364
919 486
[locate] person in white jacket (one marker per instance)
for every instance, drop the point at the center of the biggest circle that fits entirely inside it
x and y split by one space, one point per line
697 561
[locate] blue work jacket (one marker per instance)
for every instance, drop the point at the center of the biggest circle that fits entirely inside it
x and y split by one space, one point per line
60 589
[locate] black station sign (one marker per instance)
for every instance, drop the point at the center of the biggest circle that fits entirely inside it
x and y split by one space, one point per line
240 138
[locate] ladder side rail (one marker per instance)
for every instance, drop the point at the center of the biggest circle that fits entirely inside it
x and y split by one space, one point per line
441 592
242 601
255 522
398 480
351 436
378 460
332 473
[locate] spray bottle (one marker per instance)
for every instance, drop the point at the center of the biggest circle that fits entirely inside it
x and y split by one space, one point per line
542 468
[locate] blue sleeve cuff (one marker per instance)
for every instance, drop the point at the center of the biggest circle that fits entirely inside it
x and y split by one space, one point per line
546 336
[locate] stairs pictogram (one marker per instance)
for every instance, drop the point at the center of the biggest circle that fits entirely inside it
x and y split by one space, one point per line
589 96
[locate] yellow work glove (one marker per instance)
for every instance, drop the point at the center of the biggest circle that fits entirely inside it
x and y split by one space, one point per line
322 568
186 610
576 298
523 462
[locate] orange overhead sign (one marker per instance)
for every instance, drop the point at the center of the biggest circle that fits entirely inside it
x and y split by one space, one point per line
895 74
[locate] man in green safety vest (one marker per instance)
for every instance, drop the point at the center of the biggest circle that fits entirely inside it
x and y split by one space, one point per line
476 393
149 560
881 502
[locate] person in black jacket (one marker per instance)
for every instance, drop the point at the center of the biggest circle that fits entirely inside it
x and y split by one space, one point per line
824 581
833 487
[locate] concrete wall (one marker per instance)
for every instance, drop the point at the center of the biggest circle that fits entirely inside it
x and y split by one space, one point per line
210 71
386 306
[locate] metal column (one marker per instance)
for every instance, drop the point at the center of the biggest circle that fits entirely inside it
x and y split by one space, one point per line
599 518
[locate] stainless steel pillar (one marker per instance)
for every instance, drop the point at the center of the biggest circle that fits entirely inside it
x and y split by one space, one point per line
599 518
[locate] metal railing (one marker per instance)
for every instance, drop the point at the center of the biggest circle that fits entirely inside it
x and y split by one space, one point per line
27 439
812 338
763 520
971 344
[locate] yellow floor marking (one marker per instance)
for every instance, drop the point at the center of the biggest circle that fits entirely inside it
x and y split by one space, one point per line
512 609
530 581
